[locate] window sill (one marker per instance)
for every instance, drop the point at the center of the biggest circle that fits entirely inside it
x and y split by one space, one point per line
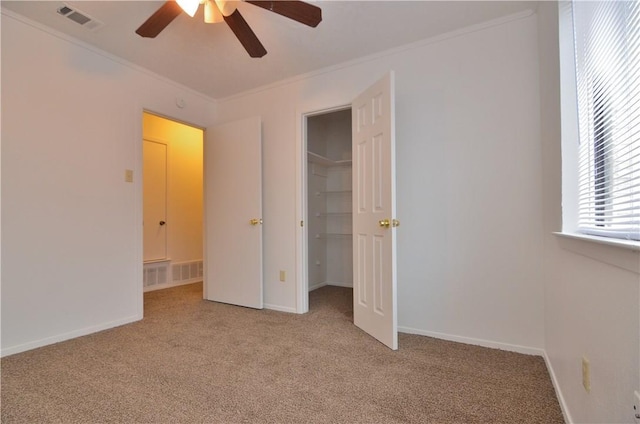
623 254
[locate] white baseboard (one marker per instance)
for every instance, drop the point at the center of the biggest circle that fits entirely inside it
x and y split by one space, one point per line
478 342
556 386
316 286
339 284
329 283
280 308
67 336
502 346
169 285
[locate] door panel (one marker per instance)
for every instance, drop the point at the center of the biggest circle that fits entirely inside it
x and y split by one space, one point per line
154 200
374 224
233 198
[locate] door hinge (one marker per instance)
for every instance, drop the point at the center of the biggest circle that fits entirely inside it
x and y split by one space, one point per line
302 223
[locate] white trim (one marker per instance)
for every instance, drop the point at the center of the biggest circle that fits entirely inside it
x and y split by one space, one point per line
502 346
205 244
301 267
67 336
411 46
330 283
556 385
317 286
302 242
527 350
338 284
138 201
279 308
618 253
96 50
568 118
608 241
171 285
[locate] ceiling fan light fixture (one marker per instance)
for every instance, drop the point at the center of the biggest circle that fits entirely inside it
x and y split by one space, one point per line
212 14
226 7
189 6
298 10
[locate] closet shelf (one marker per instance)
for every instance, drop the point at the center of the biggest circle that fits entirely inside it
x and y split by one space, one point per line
321 160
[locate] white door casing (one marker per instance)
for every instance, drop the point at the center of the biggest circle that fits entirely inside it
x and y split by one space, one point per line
374 223
233 213
154 200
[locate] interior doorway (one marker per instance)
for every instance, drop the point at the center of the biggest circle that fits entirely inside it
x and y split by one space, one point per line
172 203
329 205
373 210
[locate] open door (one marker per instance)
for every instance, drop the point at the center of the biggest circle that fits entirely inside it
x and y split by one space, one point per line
233 213
374 208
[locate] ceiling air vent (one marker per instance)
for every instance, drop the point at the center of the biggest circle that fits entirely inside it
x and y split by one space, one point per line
79 17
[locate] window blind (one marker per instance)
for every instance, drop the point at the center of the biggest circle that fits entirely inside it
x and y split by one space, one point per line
607 54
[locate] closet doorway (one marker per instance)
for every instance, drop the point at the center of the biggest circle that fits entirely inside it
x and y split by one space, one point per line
371 220
329 205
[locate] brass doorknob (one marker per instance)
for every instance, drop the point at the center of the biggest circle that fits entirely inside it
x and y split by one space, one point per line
384 223
255 221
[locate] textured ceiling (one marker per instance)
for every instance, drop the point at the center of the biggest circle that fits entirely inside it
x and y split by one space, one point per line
209 59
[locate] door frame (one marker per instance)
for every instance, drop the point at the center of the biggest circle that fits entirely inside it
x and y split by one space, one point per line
139 111
302 237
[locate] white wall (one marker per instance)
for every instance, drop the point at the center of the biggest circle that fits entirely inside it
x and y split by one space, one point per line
71 233
468 179
338 135
591 291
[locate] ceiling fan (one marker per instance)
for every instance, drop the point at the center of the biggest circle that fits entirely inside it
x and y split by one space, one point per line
220 10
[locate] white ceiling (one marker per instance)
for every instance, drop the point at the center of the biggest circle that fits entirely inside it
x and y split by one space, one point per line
209 59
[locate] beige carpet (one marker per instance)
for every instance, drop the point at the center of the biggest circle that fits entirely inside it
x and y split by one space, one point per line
193 361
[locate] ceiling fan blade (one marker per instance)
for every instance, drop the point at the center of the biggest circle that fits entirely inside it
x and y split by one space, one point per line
159 20
245 34
300 11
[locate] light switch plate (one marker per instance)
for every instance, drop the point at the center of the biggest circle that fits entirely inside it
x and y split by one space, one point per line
128 175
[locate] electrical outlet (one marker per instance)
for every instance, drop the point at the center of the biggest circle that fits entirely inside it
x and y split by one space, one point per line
128 175
586 374
636 407
283 276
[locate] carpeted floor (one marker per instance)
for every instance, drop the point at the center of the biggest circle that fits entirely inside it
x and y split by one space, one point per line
194 361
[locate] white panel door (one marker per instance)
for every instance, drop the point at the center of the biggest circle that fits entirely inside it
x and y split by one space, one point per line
154 200
374 223
233 213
